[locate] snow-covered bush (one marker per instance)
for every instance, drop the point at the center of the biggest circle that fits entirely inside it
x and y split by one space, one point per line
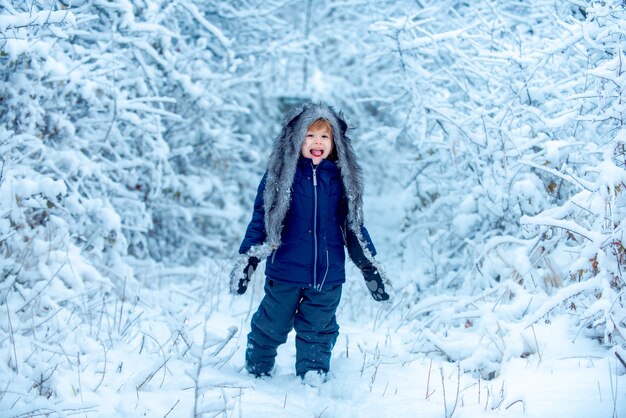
125 137
133 135
512 140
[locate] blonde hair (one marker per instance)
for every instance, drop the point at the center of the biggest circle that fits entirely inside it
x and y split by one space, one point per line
322 124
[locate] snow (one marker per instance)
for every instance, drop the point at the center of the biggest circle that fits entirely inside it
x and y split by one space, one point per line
132 139
375 372
15 47
12 22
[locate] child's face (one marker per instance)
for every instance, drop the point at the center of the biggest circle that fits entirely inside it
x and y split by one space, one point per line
317 145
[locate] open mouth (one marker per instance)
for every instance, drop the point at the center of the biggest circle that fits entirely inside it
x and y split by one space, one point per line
317 153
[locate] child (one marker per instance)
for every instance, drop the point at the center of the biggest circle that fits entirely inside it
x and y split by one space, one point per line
308 206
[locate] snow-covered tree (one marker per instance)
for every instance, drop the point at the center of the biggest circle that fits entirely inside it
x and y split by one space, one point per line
133 135
511 138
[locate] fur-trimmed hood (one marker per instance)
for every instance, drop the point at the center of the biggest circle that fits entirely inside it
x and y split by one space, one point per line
284 159
274 198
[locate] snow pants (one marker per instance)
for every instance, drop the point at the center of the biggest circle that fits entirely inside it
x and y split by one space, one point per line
310 312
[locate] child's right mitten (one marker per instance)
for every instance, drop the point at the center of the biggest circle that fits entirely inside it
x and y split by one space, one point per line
374 282
242 274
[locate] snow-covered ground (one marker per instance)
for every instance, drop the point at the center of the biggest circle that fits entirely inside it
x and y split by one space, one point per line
181 355
173 346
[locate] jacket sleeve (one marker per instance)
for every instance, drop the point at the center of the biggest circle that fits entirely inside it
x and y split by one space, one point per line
255 233
355 249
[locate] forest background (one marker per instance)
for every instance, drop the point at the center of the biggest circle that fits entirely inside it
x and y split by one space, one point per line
133 135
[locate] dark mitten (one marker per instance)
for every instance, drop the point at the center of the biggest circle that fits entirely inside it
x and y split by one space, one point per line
374 282
240 277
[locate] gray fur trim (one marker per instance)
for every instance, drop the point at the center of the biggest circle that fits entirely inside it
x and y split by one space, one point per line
237 273
259 251
283 161
388 287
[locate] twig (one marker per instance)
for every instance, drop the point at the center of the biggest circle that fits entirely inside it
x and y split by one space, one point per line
443 384
171 409
13 336
196 378
536 342
46 412
621 360
241 396
514 402
2 171
42 289
19 269
567 225
119 323
613 391
48 318
428 381
487 400
363 365
501 397
152 374
224 360
39 385
374 376
101 316
165 360
129 323
231 333
458 388
105 365
80 385
5 391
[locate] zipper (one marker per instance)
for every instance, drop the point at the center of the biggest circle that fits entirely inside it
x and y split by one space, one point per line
314 226
326 273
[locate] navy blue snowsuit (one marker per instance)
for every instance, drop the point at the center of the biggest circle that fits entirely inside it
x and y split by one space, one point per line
305 274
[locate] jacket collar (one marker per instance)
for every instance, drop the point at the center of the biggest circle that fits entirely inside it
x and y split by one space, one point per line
324 165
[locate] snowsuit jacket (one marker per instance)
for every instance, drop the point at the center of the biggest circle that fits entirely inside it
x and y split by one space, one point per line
304 215
312 239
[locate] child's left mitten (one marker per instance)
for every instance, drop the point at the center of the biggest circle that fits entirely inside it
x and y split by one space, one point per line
242 274
374 282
